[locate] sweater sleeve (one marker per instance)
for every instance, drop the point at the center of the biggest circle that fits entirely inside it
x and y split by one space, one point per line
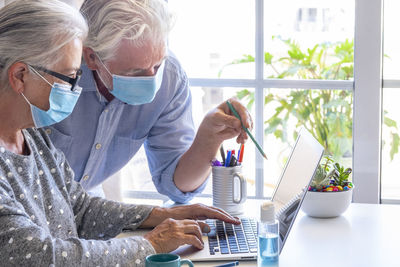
98 218
95 217
24 243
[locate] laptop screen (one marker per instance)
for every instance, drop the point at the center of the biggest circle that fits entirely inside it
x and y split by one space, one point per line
295 179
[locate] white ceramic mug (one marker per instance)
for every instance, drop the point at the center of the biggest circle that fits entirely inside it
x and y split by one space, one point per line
229 189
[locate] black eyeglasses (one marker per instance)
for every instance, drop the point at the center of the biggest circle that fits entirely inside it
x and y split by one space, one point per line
72 81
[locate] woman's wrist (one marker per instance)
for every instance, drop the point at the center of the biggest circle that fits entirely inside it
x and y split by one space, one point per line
157 216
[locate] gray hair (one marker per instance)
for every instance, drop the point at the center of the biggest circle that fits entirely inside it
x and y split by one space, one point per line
74 3
34 32
111 21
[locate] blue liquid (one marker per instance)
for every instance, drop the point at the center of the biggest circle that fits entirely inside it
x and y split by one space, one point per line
268 250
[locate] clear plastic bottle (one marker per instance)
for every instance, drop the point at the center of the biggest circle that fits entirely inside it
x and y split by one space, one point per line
268 237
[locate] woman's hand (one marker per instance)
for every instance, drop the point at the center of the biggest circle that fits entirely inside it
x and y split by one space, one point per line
171 234
193 212
201 212
177 226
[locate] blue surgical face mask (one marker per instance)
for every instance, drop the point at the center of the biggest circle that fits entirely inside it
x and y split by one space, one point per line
136 90
62 102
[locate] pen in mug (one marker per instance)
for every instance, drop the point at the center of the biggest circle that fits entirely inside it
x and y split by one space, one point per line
229 264
228 158
238 155
246 130
240 158
221 150
233 161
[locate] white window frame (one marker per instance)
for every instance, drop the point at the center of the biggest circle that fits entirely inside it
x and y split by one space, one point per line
367 94
367 113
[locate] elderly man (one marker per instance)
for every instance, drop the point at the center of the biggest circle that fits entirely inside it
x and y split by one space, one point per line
135 92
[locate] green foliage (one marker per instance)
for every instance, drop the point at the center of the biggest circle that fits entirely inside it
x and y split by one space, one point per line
330 171
321 176
327 114
340 174
394 136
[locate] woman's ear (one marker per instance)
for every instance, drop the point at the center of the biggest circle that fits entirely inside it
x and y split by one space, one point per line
90 58
17 75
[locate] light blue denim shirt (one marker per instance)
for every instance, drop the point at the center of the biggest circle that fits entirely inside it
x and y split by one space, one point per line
100 137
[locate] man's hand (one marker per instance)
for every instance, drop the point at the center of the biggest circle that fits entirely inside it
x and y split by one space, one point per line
220 123
171 234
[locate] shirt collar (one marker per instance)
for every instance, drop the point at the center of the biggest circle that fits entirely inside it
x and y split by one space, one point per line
87 81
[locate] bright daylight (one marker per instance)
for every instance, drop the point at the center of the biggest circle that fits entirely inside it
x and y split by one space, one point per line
215 133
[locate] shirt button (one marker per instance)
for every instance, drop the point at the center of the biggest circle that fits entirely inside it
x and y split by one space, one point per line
85 177
48 131
106 110
98 146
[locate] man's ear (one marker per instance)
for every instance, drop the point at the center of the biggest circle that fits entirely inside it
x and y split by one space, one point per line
90 58
17 75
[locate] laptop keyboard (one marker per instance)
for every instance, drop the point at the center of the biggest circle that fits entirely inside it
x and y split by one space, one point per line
232 239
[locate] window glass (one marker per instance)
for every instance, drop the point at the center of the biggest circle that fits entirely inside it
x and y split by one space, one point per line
391 44
390 179
309 39
209 35
327 114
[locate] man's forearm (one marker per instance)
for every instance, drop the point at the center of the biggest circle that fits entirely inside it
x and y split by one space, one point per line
194 166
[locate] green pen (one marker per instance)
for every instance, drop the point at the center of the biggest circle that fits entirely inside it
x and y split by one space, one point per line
247 130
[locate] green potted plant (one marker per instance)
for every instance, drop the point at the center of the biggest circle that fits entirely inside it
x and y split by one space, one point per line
330 192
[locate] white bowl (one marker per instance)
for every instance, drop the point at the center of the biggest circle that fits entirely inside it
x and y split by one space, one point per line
326 204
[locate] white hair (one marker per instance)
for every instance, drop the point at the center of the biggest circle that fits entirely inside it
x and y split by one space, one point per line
111 21
35 31
75 3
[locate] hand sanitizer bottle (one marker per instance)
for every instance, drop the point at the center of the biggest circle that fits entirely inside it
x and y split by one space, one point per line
268 237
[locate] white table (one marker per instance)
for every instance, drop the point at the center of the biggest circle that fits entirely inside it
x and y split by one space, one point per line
366 235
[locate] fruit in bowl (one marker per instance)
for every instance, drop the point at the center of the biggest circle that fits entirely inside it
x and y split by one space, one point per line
330 192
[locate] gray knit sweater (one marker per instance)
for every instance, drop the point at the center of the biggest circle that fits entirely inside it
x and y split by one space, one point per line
47 219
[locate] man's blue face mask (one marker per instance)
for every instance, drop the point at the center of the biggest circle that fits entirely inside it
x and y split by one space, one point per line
136 90
62 102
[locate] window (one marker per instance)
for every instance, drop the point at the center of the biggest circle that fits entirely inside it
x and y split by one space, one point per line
229 54
264 51
390 184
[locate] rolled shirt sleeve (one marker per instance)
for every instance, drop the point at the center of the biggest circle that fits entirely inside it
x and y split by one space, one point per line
165 185
170 137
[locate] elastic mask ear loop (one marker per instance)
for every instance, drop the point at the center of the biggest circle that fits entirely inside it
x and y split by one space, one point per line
104 65
26 99
37 73
98 74
30 106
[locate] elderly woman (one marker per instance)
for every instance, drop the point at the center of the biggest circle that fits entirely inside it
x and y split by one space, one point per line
46 218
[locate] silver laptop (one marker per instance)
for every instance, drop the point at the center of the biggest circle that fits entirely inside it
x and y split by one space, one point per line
239 242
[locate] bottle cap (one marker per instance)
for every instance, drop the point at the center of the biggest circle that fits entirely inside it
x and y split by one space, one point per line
267 212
